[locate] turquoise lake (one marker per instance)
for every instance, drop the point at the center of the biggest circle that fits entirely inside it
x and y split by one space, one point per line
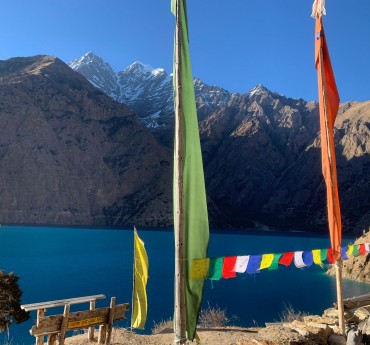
57 263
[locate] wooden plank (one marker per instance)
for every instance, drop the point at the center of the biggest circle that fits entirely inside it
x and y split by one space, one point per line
40 315
90 334
47 325
61 302
102 334
52 338
110 320
85 323
63 327
356 302
52 324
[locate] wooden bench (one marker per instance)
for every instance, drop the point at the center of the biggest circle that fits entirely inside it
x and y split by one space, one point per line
56 326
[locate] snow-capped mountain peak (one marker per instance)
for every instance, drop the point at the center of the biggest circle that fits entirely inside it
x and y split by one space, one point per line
138 67
257 90
88 58
98 72
147 90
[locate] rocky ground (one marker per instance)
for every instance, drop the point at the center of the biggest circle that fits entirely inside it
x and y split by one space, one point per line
310 330
229 335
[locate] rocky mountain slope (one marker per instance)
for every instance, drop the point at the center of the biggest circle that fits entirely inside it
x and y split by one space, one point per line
148 91
70 155
97 163
261 150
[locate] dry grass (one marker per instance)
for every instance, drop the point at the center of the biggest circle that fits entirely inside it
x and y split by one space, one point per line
161 326
289 314
211 317
214 317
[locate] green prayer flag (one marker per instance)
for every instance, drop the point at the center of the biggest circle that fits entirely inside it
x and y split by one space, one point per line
275 262
215 268
356 248
323 254
196 231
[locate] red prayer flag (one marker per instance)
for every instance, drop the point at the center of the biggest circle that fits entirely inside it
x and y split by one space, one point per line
228 269
362 250
286 259
330 257
329 103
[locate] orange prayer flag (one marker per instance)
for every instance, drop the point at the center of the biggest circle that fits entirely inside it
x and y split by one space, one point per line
329 104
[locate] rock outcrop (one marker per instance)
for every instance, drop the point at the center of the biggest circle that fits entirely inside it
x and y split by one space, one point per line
356 268
320 330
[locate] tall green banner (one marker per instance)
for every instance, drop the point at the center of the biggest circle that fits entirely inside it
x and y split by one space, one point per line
196 232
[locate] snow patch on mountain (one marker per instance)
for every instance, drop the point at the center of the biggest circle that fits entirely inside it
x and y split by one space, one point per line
149 91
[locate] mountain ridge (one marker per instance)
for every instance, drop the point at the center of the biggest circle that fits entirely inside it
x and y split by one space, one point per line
238 128
70 154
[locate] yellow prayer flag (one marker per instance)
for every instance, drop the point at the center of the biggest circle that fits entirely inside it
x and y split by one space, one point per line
350 250
139 299
316 253
266 261
199 269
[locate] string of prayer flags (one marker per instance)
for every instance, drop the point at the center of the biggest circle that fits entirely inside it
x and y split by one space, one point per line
228 267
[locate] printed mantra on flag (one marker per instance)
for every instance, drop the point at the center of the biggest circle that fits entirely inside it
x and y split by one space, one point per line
229 266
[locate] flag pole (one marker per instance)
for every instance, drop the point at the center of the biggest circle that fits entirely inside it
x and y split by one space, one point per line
338 263
180 312
133 280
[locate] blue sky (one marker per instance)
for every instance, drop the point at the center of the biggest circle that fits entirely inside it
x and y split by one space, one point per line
235 44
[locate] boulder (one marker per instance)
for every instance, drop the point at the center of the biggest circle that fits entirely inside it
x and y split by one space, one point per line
318 332
362 313
337 339
366 327
354 337
284 336
320 319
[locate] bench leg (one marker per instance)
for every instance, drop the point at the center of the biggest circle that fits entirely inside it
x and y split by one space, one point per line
40 340
52 339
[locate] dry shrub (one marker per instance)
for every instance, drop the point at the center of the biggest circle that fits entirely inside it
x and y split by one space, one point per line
289 314
161 326
214 317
